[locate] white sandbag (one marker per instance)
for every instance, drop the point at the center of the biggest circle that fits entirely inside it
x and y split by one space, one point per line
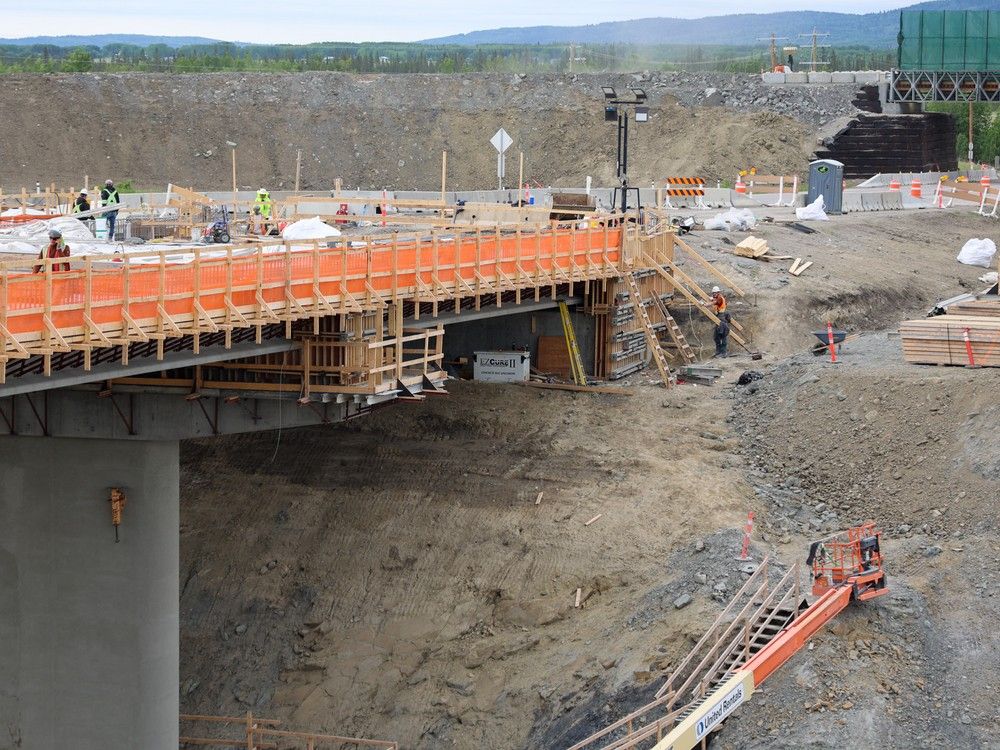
735 219
977 252
813 212
310 229
989 277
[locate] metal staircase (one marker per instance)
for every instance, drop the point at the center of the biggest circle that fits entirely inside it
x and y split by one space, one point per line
755 616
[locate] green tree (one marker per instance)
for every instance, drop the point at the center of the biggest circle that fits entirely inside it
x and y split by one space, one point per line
78 61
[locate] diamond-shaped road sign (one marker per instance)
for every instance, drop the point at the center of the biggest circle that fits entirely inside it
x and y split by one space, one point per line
501 140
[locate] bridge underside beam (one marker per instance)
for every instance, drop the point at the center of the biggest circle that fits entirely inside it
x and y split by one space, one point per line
134 413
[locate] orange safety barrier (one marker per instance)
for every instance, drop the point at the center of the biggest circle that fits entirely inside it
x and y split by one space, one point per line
147 297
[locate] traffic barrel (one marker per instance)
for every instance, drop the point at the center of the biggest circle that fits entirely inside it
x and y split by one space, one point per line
916 189
894 185
984 181
741 187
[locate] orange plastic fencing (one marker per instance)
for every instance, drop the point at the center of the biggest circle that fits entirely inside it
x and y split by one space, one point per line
241 287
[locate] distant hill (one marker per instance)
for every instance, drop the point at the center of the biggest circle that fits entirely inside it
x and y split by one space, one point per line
102 40
870 29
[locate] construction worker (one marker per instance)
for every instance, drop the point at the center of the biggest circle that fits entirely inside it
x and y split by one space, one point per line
109 196
262 208
81 204
56 249
722 328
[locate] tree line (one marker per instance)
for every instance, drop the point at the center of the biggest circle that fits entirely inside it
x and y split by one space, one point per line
413 58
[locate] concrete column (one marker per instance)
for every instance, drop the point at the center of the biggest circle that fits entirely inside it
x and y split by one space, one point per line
89 642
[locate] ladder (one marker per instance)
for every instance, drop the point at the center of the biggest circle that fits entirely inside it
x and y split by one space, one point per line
675 331
652 340
575 361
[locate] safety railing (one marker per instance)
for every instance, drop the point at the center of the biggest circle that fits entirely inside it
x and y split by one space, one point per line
157 294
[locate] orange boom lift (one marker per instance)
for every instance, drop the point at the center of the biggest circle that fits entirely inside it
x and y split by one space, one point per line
845 567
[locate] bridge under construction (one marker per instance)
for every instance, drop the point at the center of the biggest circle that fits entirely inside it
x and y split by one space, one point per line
107 365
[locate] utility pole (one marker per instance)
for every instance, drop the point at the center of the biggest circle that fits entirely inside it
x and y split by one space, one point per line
774 49
971 149
815 35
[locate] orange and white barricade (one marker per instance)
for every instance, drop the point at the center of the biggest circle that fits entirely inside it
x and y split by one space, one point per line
685 187
946 194
991 199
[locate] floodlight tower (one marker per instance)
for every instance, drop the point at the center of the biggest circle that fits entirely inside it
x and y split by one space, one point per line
621 110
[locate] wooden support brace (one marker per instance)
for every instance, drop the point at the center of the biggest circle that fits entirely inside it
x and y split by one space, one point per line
691 298
61 345
212 326
265 308
700 260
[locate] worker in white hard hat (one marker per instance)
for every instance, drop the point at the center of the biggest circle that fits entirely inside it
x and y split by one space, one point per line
81 204
722 327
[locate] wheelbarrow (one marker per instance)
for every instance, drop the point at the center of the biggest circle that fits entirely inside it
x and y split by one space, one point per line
824 338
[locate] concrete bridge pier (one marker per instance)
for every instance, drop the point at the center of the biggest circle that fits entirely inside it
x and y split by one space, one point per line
89 629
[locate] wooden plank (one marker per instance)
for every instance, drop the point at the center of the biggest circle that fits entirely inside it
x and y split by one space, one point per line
603 390
703 262
595 518
798 271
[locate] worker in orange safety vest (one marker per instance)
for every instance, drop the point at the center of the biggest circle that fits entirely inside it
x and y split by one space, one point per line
722 328
57 249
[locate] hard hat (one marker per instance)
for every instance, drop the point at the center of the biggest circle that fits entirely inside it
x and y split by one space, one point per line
83 192
109 182
54 234
262 190
716 290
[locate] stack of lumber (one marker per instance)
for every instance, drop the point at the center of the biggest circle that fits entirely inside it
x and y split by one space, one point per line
752 247
978 307
940 340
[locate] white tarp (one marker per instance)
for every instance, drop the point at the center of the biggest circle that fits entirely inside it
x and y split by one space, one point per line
735 219
38 231
22 212
977 252
309 229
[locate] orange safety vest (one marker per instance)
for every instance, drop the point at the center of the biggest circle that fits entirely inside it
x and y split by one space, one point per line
720 303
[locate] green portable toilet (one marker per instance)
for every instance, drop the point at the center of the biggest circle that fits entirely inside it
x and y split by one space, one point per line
826 178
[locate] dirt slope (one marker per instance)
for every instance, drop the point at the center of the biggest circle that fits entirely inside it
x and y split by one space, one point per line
394 577
374 131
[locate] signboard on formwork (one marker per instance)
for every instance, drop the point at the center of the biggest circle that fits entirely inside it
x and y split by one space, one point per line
694 728
501 367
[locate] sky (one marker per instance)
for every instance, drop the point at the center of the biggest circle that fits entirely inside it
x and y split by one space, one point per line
301 21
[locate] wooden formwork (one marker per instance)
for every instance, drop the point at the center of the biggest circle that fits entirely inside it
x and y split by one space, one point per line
144 296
